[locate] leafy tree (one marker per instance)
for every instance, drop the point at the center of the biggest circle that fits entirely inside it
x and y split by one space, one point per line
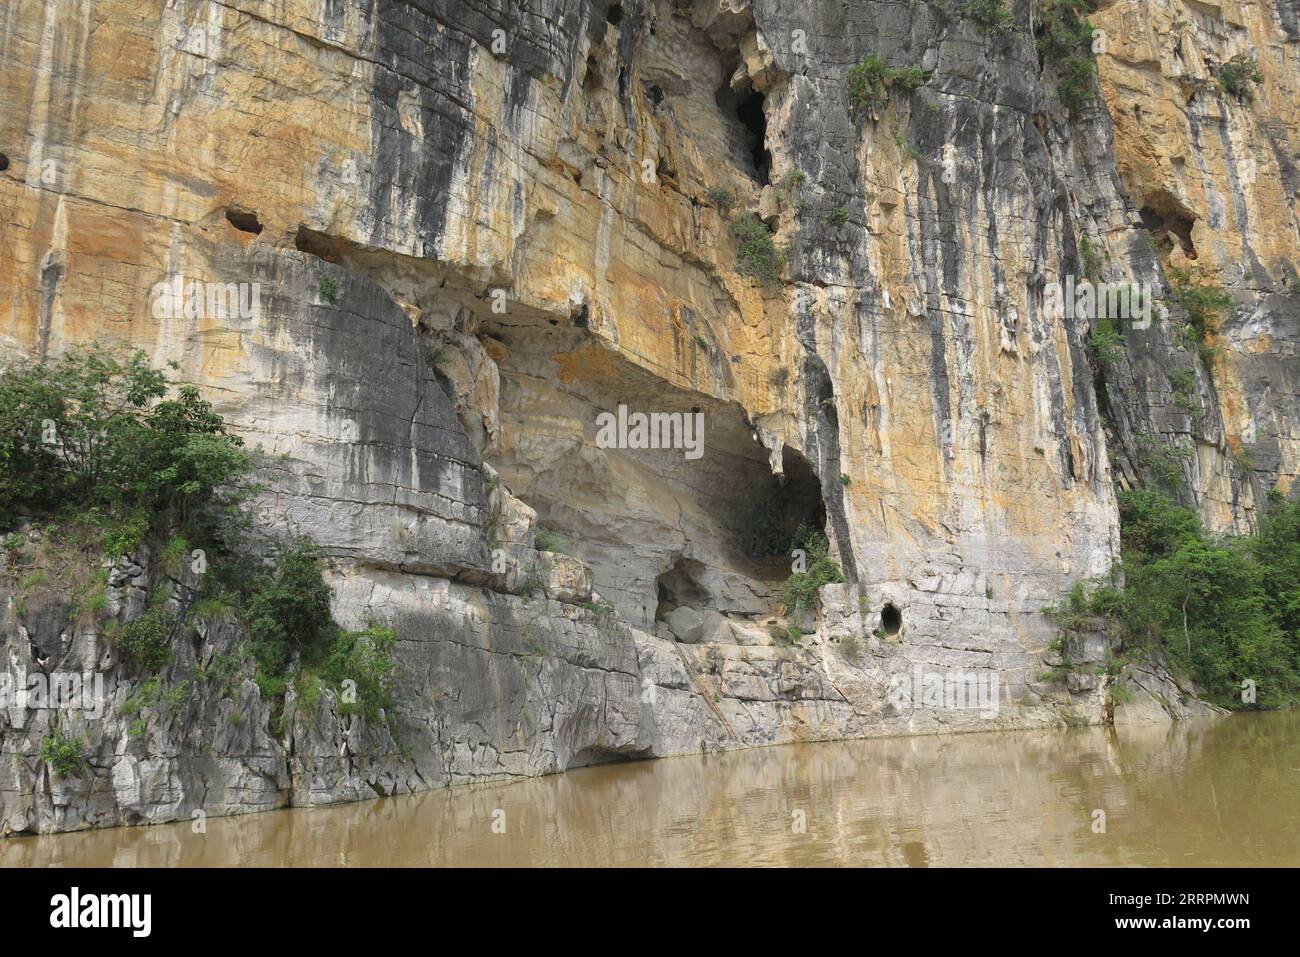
289 613
366 658
1236 76
1153 525
1221 612
89 430
1065 40
145 642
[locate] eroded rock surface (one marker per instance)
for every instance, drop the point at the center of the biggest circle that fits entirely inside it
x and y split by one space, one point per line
479 227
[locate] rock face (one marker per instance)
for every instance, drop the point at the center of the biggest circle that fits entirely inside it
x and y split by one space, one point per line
464 230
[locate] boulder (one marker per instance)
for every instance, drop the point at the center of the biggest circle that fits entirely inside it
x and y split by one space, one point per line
686 624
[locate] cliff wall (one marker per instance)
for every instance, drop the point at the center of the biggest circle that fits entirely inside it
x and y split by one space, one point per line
474 226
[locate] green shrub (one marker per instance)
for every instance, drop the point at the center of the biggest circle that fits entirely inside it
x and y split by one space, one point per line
1106 342
151 695
547 540
995 16
801 589
328 288
1237 76
1163 460
1205 303
836 217
868 82
144 644
1182 383
64 754
1153 525
90 431
1276 547
92 597
1064 39
1090 258
366 658
722 198
1220 612
758 255
289 614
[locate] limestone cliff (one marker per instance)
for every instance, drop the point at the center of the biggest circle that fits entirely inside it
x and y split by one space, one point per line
475 225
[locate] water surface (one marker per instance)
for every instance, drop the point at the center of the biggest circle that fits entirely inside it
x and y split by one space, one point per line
1209 793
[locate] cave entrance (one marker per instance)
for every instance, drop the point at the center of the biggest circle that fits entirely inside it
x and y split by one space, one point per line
747 107
679 586
750 113
782 511
244 220
891 619
1163 213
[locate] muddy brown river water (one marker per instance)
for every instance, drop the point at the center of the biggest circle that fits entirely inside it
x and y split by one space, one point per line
1206 793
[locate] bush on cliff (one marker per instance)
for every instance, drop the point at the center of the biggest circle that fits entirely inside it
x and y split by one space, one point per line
1237 76
288 612
995 16
869 81
1065 39
1207 304
365 658
801 589
112 454
1224 612
145 642
758 255
91 431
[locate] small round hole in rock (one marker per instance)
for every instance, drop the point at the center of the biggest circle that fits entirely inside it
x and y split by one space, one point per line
891 619
4 162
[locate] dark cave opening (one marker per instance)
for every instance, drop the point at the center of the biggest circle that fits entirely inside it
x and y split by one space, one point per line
591 79
891 619
780 514
749 110
614 15
679 586
243 220
316 244
1161 212
4 162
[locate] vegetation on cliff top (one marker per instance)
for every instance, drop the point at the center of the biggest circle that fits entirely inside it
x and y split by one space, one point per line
1065 40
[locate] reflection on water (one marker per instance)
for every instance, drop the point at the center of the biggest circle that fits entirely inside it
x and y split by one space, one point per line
1223 792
